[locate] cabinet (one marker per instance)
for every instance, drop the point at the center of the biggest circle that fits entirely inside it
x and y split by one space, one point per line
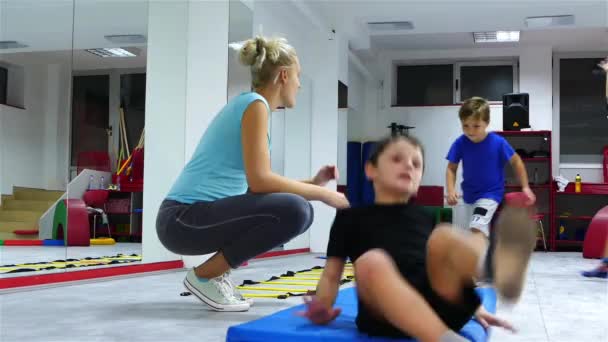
534 147
574 211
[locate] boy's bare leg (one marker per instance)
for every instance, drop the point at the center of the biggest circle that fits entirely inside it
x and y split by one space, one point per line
382 288
479 239
455 258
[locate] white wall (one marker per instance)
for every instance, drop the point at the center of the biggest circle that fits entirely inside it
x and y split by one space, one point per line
34 140
165 93
22 135
536 78
277 138
57 125
185 89
240 28
343 63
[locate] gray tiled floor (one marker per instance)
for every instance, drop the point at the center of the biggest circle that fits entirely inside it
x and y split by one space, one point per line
558 305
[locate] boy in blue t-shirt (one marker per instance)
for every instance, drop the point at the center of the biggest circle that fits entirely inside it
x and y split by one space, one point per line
483 157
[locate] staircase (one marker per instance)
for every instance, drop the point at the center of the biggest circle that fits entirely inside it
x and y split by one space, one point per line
23 209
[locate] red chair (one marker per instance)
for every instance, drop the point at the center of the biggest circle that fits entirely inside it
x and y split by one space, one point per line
95 201
429 195
519 199
596 237
93 160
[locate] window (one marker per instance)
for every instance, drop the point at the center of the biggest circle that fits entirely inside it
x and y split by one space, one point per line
3 84
425 85
441 84
487 81
582 110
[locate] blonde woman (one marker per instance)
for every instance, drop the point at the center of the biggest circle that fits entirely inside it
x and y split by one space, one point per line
227 200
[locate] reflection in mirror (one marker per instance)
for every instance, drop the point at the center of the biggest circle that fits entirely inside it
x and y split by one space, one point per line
35 74
107 132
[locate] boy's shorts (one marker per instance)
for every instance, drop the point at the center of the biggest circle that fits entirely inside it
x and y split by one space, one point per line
454 315
481 213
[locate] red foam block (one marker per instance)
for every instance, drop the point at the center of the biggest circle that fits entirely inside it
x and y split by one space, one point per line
23 242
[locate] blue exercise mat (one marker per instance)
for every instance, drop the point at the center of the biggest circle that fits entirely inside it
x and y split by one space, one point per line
286 326
354 174
367 190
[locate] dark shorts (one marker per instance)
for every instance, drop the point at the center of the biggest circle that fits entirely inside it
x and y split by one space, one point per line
454 315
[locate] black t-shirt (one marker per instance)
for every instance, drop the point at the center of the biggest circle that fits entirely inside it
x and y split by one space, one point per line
402 230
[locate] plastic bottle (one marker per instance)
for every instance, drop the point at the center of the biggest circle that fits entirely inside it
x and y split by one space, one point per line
102 184
91 182
577 183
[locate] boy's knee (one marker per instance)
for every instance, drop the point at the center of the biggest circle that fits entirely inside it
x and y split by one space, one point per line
440 239
372 263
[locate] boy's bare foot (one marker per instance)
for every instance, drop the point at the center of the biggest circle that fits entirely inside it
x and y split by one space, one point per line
515 241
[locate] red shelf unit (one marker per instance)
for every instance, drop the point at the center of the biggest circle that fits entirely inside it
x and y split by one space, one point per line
535 141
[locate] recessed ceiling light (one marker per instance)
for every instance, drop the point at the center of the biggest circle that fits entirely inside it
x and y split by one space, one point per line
390 25
549 21
496 36
126 38
111 52
11 44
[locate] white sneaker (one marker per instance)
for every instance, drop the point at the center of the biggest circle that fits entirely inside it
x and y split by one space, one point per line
215 292
235 290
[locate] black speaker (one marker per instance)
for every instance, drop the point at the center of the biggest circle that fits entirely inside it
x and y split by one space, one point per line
515 111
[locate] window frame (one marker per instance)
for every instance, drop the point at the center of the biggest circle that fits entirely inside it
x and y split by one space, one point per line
556 143
456 65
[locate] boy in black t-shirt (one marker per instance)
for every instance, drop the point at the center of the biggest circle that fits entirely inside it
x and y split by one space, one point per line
413 279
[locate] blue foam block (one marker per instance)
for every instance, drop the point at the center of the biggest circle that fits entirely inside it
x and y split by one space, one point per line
286 326
50 242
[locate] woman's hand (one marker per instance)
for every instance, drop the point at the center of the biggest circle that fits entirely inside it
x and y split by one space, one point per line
334 199
325 174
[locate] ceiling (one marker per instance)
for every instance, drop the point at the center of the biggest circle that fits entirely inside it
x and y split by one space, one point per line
52 28
446 24
560 39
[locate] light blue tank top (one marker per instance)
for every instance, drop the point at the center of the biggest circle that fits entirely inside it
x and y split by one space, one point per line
216 169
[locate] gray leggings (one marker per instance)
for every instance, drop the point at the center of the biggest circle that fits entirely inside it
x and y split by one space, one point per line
241 227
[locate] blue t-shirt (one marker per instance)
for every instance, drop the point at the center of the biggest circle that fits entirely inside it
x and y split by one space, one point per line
483 166
216 169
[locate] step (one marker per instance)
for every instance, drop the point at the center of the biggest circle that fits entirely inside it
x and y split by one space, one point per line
37 195
28 205
20 215
10 226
